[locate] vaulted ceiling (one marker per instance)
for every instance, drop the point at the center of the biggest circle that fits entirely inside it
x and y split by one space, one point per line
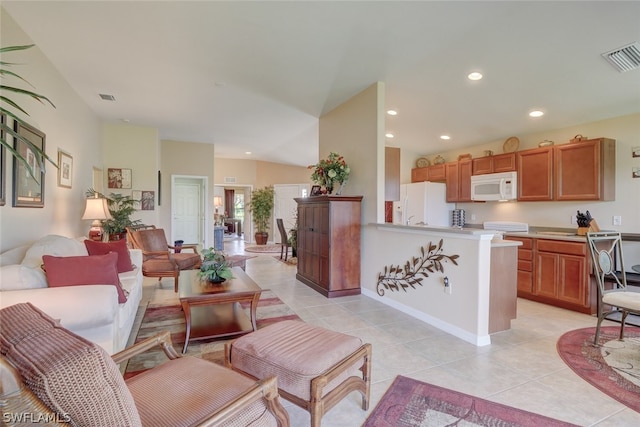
256 76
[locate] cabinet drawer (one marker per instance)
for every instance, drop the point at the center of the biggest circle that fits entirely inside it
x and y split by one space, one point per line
562 247
525 254
527 243
524 265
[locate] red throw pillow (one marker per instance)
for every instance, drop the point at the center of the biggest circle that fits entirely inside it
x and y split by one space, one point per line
118 246
84 270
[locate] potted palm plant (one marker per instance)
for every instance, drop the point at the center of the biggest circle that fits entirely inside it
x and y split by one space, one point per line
41 156
121 208
261 206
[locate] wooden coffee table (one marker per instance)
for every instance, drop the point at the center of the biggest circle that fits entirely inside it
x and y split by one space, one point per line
213 310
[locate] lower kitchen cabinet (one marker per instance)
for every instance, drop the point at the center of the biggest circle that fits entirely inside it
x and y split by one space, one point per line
556 272
328 246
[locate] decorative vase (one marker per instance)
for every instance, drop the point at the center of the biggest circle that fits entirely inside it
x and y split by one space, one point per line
216 280
339 192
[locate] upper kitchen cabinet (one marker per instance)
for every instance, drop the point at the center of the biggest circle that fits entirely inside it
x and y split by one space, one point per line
585 170
458 179
535 174
435 173
494 164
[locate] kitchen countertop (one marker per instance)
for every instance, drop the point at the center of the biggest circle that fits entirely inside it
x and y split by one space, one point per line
549 236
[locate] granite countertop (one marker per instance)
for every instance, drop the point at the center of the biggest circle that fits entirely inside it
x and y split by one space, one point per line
550 235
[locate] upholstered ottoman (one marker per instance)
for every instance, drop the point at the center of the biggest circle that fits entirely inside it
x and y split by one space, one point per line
316 367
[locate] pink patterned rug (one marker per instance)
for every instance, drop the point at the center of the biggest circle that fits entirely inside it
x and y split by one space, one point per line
410 402
613 367
270 310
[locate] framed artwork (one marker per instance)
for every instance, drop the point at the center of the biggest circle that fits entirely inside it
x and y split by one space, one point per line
65 169
148 200
119 178
3 172
315 190
136 195
28 192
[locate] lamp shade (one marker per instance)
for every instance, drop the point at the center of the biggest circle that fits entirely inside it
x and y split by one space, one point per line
96 208
217 201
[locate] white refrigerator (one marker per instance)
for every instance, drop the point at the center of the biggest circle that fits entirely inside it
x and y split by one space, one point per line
423 203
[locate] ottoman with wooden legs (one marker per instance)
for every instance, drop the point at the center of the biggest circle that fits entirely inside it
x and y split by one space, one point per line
316 367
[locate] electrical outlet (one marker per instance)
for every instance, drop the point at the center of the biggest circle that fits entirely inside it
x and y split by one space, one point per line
447 285
617 220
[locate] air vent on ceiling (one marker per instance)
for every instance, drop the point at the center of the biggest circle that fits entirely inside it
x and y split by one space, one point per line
229 179
106 97
625 58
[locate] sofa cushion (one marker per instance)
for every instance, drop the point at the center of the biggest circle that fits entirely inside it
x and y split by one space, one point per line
84 270
119 247
52 245
17 276
71 375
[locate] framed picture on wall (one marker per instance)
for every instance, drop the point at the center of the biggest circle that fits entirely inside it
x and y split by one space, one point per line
65 169
28 187
118 178
148 200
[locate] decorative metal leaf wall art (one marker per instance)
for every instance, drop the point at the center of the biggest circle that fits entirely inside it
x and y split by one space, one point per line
395 277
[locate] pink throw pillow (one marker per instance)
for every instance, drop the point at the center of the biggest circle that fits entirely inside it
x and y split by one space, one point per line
84 270
118 246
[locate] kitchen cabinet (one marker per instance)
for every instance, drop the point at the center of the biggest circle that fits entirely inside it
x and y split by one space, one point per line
579 171
535 174
328 246
434 173
494 164
458 179
556 272
503 298
585 170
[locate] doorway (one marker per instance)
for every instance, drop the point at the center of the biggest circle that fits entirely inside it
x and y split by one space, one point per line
234 203
188 209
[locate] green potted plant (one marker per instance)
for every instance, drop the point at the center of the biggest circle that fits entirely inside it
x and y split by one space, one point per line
214 267
261 206
41 156
121 208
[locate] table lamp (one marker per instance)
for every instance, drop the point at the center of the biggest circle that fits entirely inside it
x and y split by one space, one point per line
97 210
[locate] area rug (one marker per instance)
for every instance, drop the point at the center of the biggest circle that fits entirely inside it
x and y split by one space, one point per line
263 248
290 260
613 367
410 402
156 319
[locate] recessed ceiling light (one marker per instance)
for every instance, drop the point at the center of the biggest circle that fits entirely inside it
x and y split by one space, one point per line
247 152
536 113
389 135
474 76
445 137
126 120
392 112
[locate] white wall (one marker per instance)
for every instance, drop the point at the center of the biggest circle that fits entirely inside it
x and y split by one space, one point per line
70 127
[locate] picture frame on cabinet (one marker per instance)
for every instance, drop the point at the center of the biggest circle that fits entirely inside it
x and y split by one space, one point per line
315 190
27 191
65 169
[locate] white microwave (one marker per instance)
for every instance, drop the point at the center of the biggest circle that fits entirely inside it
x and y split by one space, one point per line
494 186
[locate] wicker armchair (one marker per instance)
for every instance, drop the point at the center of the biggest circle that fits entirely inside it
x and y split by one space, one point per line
159 258
50 374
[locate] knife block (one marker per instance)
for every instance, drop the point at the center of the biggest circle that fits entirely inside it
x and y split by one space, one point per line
593 226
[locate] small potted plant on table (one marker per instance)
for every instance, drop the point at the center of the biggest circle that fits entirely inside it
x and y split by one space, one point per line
214 267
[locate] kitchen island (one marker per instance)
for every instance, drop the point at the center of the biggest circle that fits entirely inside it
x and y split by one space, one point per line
459 280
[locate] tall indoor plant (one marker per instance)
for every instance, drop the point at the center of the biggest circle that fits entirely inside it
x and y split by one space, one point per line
11 109
261 206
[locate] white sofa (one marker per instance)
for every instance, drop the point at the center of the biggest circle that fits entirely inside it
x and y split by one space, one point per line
91 311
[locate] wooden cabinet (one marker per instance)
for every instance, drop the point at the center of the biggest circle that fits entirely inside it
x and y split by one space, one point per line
503 289
585 170
329 244
556 272
535 174
580 171
494 164
458 179
435 173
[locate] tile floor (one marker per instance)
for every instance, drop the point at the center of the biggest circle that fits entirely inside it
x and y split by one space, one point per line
521 367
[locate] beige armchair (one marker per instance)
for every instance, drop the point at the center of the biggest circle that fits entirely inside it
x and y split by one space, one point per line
159 258
50 374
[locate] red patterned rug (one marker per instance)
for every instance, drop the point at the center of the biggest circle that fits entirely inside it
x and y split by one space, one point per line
156 319
613 367
410 402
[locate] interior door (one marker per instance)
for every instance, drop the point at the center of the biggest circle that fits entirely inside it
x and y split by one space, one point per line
285 207
187 208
